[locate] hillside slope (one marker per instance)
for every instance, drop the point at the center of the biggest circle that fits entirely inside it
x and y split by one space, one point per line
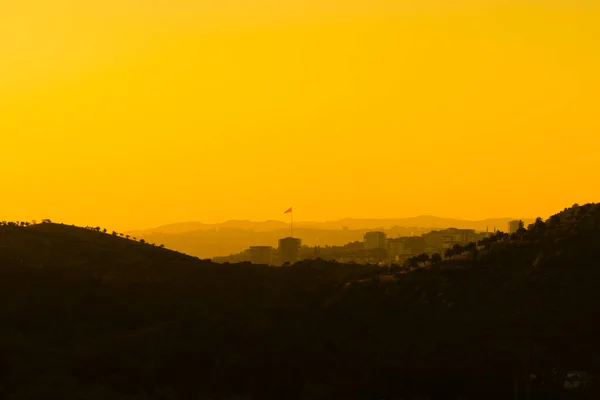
48 243
507 319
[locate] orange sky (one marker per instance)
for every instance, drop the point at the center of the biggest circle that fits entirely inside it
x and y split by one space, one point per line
131 114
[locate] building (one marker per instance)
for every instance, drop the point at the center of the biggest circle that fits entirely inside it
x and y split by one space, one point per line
261 255
513 226
375 240
453 236
289 250
415 244
406 246
397 247
438 241
433 241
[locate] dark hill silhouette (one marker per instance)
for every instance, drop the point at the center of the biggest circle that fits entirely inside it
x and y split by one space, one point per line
507 318
48 242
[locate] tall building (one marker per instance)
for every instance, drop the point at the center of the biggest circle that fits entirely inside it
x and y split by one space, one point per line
513 226
375 240
289 250
261 255
397 247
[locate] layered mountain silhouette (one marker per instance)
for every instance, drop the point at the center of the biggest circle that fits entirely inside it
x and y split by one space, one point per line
210 240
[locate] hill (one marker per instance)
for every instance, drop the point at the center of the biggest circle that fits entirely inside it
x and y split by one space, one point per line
73 246
513 317
210 240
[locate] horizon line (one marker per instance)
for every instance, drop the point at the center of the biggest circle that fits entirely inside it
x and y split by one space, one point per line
323 221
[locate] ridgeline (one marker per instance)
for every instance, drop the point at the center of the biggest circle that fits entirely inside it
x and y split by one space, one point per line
92 315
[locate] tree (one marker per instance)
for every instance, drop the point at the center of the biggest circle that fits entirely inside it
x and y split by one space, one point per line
104 230
114 233
127 236
538 226
471 248
485 242
521 230
554 222
423 258
458 249
436 258
412 262
142 241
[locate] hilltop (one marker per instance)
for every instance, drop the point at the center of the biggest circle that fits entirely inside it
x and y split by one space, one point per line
97 316
48 243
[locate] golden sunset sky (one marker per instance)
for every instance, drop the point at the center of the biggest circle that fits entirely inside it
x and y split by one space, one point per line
134 113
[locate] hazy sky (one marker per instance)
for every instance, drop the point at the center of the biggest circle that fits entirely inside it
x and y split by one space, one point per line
134 113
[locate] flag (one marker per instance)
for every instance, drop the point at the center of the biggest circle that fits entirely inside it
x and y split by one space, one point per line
288 211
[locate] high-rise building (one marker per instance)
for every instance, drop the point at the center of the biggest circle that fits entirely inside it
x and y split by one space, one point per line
289 250
397 247
375 240
513 226
261 255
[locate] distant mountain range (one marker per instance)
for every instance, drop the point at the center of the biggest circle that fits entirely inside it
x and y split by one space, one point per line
210 240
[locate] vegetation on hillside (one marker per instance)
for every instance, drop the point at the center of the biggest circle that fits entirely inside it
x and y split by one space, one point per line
89 315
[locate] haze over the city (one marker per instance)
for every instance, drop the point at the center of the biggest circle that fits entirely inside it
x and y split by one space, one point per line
299 199
134 114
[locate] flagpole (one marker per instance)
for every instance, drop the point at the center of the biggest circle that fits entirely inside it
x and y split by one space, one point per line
291 212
